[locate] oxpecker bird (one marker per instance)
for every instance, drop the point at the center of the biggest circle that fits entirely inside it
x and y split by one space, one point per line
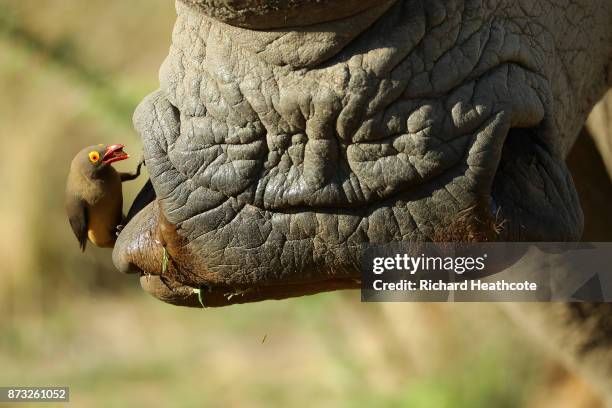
94 198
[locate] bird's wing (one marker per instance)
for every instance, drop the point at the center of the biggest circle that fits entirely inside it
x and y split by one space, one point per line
77 214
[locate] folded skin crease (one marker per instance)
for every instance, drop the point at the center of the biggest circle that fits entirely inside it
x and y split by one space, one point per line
278 155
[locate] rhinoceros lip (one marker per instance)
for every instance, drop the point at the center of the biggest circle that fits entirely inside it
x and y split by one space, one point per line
141 244
217 296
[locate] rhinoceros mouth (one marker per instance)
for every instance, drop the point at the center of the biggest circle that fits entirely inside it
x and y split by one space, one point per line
506 182
275 169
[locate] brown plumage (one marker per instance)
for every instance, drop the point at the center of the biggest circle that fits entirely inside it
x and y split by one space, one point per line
94 198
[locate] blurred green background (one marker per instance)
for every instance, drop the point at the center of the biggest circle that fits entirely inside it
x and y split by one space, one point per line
71 74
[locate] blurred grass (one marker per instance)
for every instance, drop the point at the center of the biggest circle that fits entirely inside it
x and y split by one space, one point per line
112 351
62 55
71 73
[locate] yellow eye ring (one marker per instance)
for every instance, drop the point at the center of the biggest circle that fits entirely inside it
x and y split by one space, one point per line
94 156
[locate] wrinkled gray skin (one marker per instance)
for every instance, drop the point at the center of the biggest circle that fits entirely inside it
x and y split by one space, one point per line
278 153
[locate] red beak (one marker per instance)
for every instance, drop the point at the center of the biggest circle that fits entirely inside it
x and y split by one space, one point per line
114 153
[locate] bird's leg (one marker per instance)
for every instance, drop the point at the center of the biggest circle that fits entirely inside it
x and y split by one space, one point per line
132 176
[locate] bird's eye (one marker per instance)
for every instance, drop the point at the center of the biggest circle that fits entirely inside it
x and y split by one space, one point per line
94 156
